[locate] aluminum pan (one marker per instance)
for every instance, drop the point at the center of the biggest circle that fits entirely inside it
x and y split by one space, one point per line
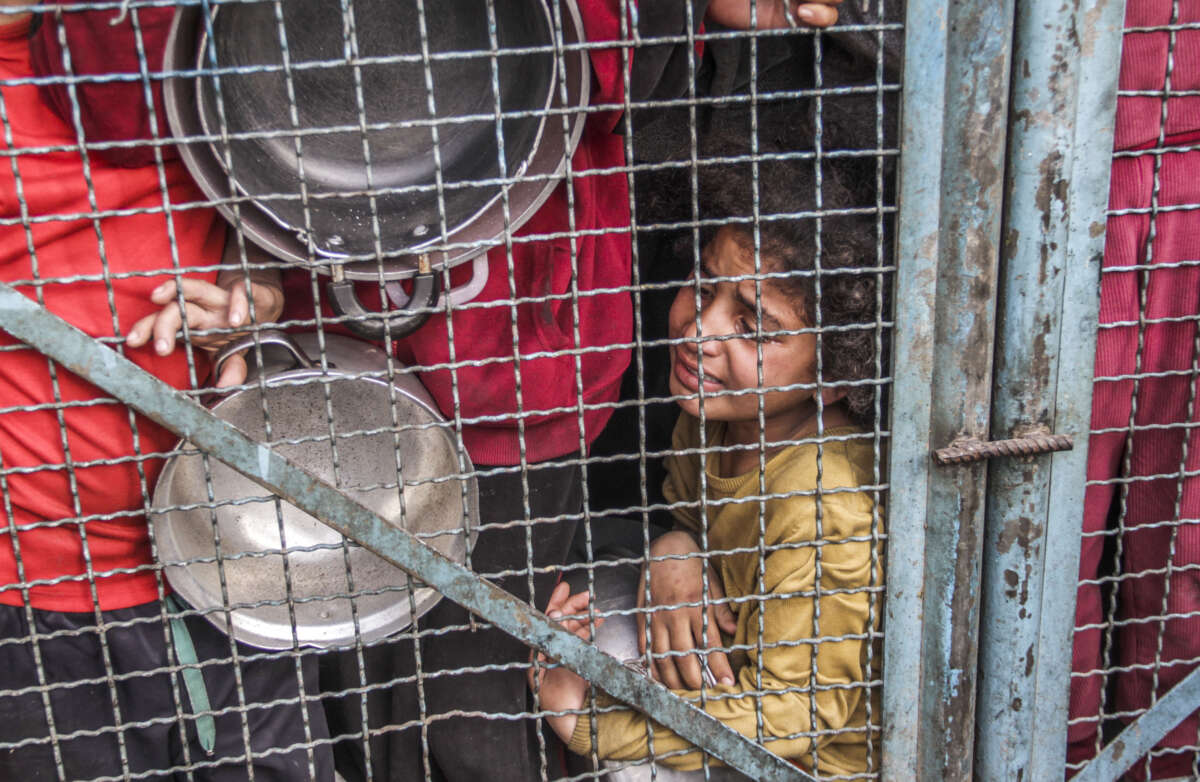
276 562
392 92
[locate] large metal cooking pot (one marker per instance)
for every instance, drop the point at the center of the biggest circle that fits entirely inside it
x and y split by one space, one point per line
281 570
280 137
615 589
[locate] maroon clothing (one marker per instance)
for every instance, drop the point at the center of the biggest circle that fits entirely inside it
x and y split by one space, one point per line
1152 505
132 53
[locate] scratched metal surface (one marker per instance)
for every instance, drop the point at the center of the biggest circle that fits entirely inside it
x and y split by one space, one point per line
1062 107
917 242
956 95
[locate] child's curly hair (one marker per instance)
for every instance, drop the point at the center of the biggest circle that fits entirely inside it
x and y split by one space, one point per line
790 227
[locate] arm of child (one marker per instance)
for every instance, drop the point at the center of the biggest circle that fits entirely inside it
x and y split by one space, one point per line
735 14
806 679
798 687
677 582
558 688
225 305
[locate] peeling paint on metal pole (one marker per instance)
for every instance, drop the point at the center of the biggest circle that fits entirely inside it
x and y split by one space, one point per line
917 251
1099 31
1063 104
1031 287
951 181
952 166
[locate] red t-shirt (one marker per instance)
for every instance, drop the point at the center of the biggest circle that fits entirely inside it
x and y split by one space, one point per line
102 472
542 270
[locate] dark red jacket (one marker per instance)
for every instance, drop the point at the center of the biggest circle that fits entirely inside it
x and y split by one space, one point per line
110 109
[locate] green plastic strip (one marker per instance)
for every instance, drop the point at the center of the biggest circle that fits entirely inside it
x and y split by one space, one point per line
193 677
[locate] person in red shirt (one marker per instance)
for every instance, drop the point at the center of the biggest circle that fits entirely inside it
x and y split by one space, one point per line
90 643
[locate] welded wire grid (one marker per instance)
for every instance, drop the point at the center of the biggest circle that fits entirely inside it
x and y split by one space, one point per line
1135 636
119 588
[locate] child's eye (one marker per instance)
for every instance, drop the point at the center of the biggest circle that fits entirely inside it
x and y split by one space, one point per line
748 327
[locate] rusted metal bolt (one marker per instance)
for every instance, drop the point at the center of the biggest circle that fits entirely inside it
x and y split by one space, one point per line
973 450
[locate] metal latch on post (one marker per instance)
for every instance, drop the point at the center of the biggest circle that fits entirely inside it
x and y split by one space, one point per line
971 449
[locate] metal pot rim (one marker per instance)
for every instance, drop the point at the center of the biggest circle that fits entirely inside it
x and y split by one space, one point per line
536 182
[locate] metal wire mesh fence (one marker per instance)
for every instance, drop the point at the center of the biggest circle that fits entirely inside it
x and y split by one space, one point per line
569 291
1134 635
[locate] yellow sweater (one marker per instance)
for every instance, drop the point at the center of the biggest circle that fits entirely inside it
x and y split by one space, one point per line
840 555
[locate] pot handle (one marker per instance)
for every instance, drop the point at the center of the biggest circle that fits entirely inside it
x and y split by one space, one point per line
264 338
404 321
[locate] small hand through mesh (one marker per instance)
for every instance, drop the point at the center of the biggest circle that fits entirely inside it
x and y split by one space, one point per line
559 688
224 305
679 581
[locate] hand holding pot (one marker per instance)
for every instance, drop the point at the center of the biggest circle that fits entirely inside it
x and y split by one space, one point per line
561 689
225 305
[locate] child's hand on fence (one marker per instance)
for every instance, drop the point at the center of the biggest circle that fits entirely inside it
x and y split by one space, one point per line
735 14
561 689
674 582
221 306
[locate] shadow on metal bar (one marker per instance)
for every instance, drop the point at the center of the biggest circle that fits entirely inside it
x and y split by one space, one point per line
79 353
1143 733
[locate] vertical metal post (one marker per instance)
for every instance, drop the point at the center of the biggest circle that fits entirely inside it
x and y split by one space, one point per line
955 100
917 238
1063 105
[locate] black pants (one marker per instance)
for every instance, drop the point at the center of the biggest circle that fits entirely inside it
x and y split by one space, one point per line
145 690
471 744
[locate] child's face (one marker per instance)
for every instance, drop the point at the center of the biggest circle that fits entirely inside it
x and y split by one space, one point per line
727 308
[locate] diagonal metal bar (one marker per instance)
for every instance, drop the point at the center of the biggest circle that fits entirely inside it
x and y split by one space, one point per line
1140 736
79 353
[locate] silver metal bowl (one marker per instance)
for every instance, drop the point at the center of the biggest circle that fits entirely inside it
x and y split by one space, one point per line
272 574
